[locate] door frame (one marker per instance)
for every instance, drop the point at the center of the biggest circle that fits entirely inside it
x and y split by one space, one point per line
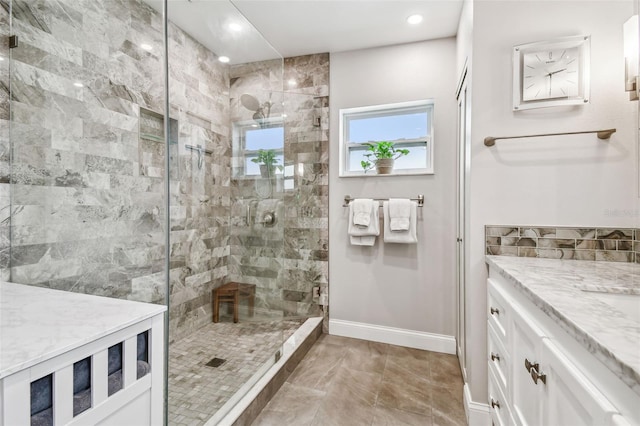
463 162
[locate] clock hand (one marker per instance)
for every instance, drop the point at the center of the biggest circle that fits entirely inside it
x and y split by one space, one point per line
555 72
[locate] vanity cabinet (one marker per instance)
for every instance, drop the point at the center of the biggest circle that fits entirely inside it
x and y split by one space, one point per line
540 375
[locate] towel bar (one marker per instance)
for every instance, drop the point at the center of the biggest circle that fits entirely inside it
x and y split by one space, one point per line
419 199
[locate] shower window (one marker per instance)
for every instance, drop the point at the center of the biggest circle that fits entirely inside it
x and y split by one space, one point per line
407 124
249 138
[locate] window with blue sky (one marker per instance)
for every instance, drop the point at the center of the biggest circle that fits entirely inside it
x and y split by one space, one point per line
406 124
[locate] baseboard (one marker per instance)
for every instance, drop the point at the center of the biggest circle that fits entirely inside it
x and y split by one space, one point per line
477 414
394 336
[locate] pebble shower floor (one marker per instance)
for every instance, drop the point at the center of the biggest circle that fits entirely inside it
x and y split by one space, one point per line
197 391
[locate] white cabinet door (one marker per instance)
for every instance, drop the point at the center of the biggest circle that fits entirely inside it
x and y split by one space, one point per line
571 399
526 347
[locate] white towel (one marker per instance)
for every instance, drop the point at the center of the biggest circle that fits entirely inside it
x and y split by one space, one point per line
399 214
362 211
406 237
361 236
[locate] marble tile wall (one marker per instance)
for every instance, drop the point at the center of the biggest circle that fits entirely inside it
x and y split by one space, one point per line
580 243
287 260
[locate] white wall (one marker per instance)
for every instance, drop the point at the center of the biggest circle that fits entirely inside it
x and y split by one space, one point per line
464 37
404 286
568 180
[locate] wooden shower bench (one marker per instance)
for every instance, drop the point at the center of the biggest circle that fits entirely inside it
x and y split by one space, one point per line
232 293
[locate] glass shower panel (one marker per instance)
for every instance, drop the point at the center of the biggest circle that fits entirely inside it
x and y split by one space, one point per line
5 150
87 188
226 220
257 171
305 256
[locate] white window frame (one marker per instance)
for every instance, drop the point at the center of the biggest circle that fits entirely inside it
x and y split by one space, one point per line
381 110
241 154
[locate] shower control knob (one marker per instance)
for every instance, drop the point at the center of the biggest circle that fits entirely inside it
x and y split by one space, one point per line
269 219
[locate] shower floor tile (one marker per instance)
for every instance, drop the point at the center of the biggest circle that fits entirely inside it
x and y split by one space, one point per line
196 390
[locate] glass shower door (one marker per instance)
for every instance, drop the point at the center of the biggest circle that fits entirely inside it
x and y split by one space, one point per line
5 149
226 228
87 191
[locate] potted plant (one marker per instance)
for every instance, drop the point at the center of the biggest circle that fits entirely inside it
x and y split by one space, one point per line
267 160
385 154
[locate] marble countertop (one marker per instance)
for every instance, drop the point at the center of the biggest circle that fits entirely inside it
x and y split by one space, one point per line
571 293
37 323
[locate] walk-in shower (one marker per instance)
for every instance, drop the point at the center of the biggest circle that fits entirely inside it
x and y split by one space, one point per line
86 131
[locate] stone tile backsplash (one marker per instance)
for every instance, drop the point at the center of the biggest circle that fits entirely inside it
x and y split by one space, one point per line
580 243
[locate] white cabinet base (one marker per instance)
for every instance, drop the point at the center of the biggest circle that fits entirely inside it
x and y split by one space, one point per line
544 376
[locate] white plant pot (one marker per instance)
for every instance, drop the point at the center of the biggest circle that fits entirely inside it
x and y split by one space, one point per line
384 166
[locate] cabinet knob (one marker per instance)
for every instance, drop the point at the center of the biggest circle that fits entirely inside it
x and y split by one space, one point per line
495 311
495 404
495 357
537 376
530 365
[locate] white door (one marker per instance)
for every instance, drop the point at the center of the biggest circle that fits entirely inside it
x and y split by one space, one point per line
463 122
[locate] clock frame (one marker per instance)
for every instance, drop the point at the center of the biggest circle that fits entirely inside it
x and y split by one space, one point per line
551 73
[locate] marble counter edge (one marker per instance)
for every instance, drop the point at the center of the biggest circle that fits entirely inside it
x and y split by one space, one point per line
151 310
622 369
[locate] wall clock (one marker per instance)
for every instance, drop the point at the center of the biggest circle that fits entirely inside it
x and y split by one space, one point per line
551 73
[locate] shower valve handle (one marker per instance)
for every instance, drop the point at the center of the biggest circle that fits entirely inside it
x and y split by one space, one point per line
268 219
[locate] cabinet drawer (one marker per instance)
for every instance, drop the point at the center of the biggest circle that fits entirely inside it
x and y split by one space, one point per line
497 310
498 359
498 405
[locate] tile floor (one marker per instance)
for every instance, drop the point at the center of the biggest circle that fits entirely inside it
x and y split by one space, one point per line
352 382
197 391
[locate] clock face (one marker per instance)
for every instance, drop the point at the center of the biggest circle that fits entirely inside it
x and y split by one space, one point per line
550 74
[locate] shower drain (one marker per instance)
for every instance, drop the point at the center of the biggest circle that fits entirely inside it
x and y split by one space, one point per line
216 362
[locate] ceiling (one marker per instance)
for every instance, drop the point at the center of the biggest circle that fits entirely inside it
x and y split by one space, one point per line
267 29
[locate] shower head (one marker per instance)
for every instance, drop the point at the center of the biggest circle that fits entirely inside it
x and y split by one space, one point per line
261 111
250 102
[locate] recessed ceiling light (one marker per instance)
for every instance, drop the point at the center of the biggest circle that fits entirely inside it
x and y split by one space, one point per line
234 26
223 59
1 58
292 82
146 47
414 19
78 84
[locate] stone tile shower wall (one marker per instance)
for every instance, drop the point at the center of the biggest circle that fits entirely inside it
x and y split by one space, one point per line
288 260
580 243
